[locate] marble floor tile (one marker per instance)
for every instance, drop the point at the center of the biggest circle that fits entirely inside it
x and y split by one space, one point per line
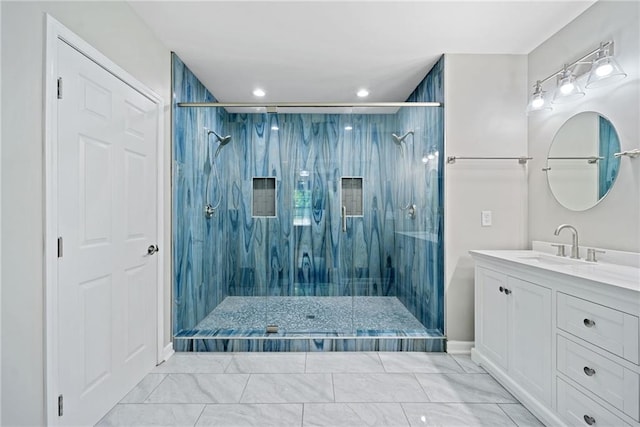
288 388
520 415
194 363
378 388
349 362
353 414
419 362
144 388
241 415
199 388
468 365
464 388
455 415
267 363
152 415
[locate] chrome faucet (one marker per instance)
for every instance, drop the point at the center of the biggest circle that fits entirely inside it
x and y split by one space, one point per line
575 249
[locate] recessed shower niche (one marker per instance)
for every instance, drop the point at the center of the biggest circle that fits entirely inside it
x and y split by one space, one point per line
264 197
310 247
352 196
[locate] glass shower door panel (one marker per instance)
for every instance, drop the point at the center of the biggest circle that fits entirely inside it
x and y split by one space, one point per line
313 292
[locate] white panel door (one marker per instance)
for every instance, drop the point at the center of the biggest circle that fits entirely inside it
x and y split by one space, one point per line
107 217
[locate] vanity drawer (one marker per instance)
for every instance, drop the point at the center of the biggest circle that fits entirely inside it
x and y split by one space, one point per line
611 382
605 327
576 409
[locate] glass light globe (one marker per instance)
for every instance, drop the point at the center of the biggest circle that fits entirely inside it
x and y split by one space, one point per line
604 70
567 88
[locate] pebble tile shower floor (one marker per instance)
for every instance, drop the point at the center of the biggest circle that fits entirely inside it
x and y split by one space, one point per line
318 389
311 314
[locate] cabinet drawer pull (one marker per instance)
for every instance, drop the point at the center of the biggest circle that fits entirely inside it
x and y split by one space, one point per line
501 289
589 420
589 323
589 371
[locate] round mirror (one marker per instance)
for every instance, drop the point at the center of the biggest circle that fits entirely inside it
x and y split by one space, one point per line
581 166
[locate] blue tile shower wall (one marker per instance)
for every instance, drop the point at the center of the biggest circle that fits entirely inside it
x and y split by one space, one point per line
420 252
196 289
303 251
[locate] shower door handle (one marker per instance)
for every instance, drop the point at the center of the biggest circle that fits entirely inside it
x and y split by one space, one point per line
344 219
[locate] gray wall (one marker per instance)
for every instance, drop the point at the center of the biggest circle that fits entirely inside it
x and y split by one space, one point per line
614 223
115 30
485 100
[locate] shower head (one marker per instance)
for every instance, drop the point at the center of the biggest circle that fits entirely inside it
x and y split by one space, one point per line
223 140
399 139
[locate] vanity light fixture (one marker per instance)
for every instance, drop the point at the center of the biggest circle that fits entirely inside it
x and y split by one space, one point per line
602 69
605 69
568 89
537 101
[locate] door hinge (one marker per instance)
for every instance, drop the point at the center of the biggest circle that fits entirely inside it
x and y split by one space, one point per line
59 87
60 405
60 243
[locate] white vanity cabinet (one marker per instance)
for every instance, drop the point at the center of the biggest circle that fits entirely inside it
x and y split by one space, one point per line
566 346
513 325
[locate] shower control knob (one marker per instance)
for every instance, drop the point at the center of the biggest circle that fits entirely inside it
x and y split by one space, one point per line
152 249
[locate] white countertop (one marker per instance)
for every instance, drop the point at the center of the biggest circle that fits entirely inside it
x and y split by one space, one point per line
624 276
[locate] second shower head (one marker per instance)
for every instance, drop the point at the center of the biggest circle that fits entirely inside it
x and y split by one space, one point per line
399 139
223 140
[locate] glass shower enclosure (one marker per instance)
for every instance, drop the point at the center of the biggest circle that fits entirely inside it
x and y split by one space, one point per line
309 230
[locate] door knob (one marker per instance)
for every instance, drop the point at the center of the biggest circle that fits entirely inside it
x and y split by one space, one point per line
152 249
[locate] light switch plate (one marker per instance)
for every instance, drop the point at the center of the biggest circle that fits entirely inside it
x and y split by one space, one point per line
486 218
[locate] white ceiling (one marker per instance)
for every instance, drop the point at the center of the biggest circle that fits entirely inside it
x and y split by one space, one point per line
324 51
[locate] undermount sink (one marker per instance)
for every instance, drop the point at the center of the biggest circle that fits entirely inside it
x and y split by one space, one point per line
551 260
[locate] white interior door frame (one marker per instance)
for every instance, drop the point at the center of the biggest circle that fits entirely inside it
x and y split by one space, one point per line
56 31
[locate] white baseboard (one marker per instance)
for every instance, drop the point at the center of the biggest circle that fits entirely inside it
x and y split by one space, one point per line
459 347
167 352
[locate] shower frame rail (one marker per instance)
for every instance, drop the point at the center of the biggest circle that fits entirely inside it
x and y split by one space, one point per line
272 107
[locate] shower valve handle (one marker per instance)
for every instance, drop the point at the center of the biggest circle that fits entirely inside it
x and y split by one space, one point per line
344 219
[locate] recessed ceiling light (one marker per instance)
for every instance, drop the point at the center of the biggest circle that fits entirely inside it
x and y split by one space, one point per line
348 127
362 93
259 92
